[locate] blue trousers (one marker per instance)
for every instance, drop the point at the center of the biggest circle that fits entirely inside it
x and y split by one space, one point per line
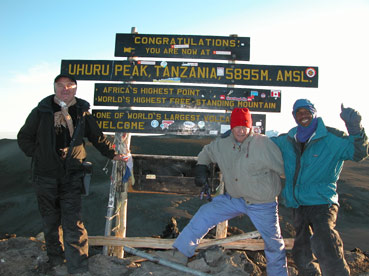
223 207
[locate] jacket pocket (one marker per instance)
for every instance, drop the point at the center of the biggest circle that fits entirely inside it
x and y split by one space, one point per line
263 186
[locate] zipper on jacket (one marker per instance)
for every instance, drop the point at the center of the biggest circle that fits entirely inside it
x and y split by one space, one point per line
297 167
299 153
247 149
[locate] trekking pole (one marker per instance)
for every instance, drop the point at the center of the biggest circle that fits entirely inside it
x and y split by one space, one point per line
164 262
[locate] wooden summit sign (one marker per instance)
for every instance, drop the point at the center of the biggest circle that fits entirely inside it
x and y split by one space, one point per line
182 46
179 96
192 72
169 122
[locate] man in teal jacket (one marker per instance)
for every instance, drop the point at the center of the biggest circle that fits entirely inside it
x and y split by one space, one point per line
313 157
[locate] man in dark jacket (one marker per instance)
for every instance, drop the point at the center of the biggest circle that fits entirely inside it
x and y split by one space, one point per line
313 157
57 173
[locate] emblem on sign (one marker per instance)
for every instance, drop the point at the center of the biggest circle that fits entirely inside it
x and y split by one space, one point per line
165 124
189 125
154 123
310 72
201 124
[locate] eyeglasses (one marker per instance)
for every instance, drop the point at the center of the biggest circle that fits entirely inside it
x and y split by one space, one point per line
69 85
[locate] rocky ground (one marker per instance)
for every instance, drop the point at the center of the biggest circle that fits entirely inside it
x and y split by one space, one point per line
21 256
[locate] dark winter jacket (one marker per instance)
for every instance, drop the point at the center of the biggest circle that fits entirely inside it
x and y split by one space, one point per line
37 139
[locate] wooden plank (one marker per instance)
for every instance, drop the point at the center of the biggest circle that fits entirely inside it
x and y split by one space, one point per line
154 243
169 157
166 184
254 245
245 236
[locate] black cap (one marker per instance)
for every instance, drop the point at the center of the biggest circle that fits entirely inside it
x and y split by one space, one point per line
65 76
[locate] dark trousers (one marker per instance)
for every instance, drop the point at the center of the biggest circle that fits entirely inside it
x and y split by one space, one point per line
317 241
60 204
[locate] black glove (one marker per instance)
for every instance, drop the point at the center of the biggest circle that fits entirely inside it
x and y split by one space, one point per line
226 134
206 191
201 175
352 119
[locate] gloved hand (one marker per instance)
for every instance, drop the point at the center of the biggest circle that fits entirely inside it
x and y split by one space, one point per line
352 119
201 175
206 191
226 134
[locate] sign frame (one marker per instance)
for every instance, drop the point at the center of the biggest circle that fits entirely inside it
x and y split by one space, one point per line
182 46
169 122
190 97
192 72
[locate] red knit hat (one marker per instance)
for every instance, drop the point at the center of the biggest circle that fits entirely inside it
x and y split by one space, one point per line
241 117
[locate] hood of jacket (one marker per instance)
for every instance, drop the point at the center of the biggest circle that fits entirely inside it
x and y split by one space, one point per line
321 131
45 104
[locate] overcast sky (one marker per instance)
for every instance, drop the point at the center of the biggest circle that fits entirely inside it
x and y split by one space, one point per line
37 35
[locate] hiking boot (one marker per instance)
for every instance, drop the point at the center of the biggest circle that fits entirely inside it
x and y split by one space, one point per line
43 268
174 256
46 267
60 270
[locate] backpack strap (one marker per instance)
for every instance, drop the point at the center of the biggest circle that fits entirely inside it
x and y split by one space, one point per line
74 137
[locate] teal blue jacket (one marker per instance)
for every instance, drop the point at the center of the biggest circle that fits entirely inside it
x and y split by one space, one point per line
311 177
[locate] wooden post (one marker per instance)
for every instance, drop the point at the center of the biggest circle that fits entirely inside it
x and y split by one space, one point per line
221 231
111 204
222 227
122 196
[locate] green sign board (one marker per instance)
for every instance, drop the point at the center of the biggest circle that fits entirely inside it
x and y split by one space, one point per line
179 96
183 46
192 72
169 122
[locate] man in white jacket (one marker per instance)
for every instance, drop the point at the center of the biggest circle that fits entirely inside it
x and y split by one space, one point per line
251 165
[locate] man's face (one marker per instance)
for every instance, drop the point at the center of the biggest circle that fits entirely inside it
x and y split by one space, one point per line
240 133
303 117
65 89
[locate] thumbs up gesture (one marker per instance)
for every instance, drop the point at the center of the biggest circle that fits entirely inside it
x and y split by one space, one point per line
352 119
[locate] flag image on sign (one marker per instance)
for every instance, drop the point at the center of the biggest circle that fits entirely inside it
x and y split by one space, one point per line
275 93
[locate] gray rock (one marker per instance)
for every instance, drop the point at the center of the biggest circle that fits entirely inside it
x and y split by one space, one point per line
200 265
111 265
213 255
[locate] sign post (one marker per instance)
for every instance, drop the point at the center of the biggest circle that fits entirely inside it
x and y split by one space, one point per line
118 192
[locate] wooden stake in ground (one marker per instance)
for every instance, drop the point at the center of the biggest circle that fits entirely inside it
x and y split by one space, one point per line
222 227
122 196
